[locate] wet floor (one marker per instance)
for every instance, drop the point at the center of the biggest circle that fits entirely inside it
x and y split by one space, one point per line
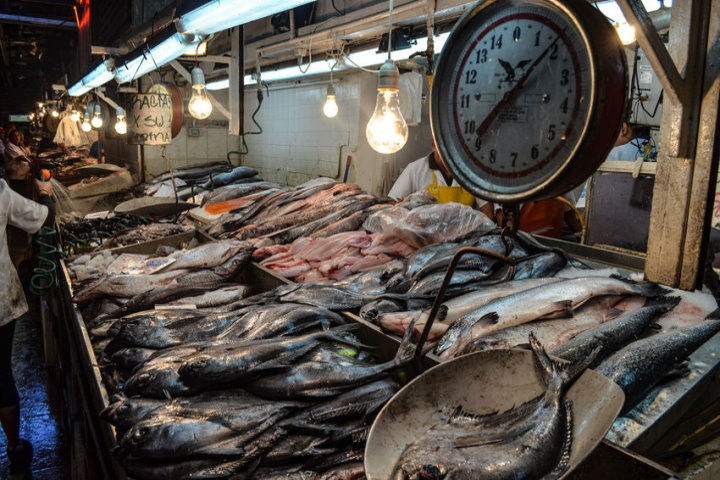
40 415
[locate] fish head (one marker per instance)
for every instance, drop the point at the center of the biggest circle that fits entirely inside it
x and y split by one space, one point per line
195 367
426 471
139 382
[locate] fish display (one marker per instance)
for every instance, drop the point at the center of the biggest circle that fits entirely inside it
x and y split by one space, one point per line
639 366
531 440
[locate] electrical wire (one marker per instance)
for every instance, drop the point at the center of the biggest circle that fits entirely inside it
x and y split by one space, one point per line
339 13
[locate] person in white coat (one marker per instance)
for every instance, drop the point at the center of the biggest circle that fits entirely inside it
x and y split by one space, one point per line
431 174
20 212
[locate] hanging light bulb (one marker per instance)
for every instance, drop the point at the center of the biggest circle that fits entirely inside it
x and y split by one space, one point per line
86 127
97 120
199 105
626 32
330 109
387 131
120 124
54 113
74 115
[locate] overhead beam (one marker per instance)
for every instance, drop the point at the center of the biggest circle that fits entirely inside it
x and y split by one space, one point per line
14 18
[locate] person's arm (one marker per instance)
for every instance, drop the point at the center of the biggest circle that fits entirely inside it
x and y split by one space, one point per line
26 214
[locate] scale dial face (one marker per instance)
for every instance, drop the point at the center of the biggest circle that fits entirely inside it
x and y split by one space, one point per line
515 93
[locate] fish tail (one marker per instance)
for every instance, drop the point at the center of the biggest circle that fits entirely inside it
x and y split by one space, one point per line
553 369
336 334
646 289
406 350
668 303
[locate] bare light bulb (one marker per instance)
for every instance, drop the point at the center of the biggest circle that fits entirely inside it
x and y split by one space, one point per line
86 127
626 32
97 120
387 131
120 123
75 116
54 113
330 109
199 105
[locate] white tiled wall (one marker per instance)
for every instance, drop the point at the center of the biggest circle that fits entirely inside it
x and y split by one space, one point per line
298 142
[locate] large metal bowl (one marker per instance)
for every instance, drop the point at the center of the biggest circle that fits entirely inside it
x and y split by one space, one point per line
484 382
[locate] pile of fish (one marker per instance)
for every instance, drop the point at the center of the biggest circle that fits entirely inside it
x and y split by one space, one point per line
193 181
277 216
332 258
145 233
115 281
93 232
251 387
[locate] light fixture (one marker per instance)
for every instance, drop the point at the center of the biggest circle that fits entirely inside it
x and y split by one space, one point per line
330 109
74 115
220 84
387 131
98 77
86 127
97 120
54 113
216 15
120 123
158 51
199 105
626 32
363 58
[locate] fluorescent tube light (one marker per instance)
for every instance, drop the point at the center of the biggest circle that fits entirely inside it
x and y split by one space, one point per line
364 58
155 54
217 15
220 84
98 77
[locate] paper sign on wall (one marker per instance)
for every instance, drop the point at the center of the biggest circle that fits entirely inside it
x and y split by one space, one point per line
150 119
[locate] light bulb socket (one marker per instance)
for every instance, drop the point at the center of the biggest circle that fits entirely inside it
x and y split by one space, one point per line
198 77
331 90
389 76
120 112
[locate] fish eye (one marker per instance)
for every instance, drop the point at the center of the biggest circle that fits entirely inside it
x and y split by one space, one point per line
430 472
124 408
139 434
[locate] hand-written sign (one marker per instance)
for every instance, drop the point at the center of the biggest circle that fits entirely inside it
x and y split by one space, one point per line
149 119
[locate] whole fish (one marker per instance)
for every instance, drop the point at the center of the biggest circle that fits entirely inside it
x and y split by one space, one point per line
531 440
215 432
126 285
557 299
229 192
209 255
326 373
639 366
149 334
554 333
234 362
326 295
430 285
362 402
156 296
221 296
346 224
271 321
125 412
612 336
456 308
540 265
225 178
